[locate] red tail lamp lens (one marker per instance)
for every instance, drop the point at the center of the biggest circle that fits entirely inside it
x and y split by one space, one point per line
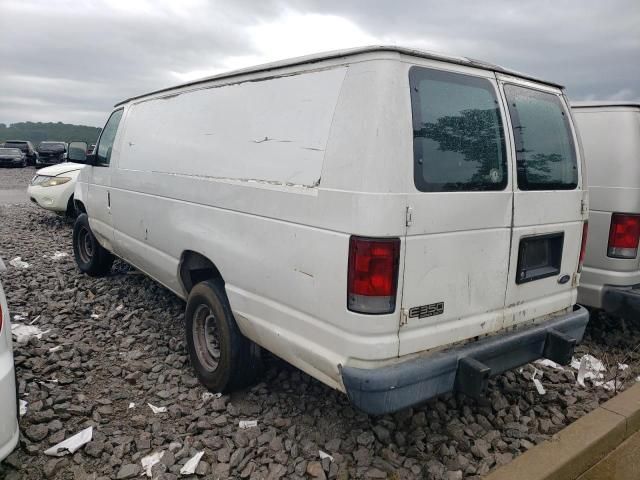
623 235
373 274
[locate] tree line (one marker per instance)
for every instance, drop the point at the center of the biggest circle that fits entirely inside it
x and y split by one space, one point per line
37 132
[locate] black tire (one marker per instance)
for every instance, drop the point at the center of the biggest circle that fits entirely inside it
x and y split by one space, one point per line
90 256
208 319
71 212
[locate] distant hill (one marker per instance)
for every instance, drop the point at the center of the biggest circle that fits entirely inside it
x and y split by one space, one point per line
36 132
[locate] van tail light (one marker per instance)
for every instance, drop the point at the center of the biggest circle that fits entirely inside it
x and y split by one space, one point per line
372 280
623 235
583 245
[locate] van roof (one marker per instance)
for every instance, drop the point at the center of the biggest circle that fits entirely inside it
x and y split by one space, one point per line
604 103
318 57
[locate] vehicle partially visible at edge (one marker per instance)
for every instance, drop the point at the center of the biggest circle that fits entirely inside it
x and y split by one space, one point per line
9 431
610 134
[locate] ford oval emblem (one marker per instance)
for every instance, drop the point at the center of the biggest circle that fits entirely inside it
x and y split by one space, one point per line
564 279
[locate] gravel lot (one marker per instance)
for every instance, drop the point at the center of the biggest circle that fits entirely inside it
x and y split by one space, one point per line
121 342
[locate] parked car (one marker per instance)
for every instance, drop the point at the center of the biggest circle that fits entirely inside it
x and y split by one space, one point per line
51 153
12 157
362 214
52 187
25 147
611 140
9 432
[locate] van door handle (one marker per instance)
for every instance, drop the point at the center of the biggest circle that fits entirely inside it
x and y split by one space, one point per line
109 199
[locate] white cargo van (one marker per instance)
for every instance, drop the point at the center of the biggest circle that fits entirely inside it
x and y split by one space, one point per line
610 134
396 223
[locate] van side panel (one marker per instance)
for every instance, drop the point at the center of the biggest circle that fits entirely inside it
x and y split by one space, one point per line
271 130
279 240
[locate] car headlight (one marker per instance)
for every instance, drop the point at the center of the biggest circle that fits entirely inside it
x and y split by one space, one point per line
54 181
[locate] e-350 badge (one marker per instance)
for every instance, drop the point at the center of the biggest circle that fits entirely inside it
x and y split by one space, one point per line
427 310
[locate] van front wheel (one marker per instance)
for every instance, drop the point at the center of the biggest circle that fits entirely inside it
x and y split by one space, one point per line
223 359
90 256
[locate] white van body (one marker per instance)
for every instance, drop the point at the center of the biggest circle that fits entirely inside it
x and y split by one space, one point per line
610 134
269 172
9 430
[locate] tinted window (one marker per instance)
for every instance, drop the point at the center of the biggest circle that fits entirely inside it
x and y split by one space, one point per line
458 138
545 152
22 146
105 144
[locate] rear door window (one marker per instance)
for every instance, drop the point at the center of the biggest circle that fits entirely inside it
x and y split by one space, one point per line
458 137
545 151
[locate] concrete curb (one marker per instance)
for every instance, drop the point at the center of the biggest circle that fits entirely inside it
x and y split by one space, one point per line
574 450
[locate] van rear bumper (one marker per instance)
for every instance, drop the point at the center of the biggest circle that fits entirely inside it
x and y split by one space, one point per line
621 301
465 368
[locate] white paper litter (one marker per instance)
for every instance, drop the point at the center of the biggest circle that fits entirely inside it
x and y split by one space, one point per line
71 444
248 424
23 407
57 348
545 362
149 461
589 367
119 307
206 396
95 315
622 366
58 255
611 385
155 409
324 455
539 386
24 332
18 263
18 318
132 405
191 464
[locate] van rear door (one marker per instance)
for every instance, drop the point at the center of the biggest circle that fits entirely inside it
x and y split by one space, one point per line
459 231
549 203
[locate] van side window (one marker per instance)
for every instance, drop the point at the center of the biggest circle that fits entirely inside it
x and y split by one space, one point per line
103 155
545 152
458 137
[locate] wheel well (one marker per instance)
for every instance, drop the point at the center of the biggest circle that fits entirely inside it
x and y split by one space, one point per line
195 268
79 205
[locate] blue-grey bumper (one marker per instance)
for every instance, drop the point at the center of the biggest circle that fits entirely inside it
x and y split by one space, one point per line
622 301
465 368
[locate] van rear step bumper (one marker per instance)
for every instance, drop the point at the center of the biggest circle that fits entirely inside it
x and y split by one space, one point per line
466 368
621 301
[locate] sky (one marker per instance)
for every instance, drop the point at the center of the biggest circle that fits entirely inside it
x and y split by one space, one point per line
72 60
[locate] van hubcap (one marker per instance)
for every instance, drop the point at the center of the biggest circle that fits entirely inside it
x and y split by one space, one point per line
85 245
206 338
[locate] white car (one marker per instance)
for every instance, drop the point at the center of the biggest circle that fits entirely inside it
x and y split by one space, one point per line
397 224
8 397
52 187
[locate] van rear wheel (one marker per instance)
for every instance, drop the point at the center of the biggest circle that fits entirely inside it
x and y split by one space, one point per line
223 359
90 256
